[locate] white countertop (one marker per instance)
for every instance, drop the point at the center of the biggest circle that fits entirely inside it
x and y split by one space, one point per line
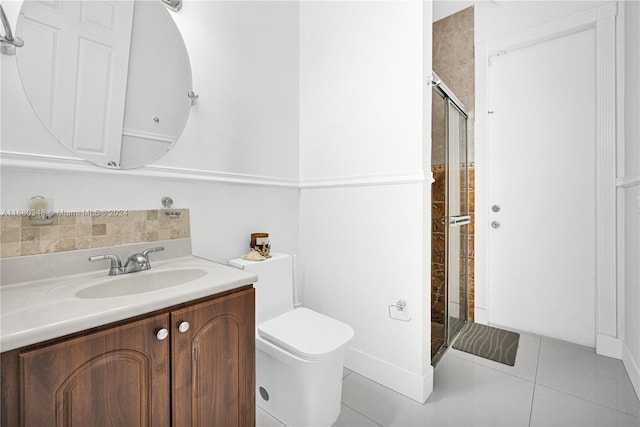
31 312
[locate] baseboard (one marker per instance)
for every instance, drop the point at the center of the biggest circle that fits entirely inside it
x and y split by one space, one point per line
609 346
631 365
407 383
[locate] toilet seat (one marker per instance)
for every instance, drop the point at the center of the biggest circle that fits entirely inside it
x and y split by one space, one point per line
306 333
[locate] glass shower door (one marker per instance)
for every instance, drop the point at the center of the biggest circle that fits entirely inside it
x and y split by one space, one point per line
451 220
458 220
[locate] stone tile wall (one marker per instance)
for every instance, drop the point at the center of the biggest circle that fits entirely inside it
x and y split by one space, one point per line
85 230
454 62
438 245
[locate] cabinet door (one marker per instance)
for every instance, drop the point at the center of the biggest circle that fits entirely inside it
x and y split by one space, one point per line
214 362
117 377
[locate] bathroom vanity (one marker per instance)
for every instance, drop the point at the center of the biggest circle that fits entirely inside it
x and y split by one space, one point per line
179 355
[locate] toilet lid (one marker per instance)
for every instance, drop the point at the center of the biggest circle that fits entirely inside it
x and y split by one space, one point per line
306 333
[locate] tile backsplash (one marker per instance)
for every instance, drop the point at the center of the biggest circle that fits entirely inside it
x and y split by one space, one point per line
89 229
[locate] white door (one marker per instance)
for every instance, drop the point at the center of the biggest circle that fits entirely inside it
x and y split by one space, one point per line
75 63
541 171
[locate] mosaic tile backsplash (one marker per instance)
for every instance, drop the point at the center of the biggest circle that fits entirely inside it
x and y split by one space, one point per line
89 229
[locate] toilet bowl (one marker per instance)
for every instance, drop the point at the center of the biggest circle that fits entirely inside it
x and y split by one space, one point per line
299 352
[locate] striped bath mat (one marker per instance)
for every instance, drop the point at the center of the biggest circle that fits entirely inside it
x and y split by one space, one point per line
488 342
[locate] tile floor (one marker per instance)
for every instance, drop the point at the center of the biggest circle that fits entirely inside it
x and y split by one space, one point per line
553 383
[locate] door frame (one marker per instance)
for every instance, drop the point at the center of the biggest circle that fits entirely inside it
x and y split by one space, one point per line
602 20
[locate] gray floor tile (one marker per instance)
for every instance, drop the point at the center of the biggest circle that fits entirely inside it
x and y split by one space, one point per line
374 401
488 397
350 418
466 394
265 420
573 387
347 418
580 372
553 408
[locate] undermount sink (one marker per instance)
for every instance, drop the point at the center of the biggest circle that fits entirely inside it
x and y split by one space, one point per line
137 283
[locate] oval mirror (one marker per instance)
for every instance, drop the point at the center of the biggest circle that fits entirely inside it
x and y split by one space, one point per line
111 80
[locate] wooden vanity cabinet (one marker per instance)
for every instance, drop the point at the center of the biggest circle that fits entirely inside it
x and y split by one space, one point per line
117 377
201 374
213 377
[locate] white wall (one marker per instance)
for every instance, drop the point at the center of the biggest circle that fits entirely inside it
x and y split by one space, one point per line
363 105
444 8
631 350
360 111
632 88
494 20
631 347
241 138
244 57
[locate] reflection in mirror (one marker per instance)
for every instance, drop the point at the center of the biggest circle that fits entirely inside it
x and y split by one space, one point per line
109 79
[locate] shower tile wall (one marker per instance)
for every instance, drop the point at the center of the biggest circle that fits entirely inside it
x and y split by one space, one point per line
453 61
438 247
84 230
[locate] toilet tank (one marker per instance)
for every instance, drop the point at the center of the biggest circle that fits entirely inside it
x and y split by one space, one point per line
274 288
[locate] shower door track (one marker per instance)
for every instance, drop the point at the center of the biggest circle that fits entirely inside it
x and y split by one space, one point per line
444 91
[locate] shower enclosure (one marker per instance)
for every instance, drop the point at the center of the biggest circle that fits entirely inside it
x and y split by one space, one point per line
450 218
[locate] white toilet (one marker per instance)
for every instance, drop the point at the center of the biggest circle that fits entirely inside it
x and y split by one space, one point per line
299 352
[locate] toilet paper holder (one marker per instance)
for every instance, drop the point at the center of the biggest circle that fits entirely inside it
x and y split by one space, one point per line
399 308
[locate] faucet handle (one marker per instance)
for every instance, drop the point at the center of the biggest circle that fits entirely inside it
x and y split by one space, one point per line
116 264
115 259
146 252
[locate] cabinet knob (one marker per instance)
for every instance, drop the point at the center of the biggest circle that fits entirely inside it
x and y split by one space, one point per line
184 327
162 334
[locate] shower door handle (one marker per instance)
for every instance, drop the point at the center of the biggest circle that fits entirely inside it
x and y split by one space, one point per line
455 221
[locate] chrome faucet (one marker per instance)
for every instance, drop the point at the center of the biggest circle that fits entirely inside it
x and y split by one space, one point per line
136 262
140 262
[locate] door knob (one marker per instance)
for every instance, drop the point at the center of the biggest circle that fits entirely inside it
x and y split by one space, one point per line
495 208
162 334
495 224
